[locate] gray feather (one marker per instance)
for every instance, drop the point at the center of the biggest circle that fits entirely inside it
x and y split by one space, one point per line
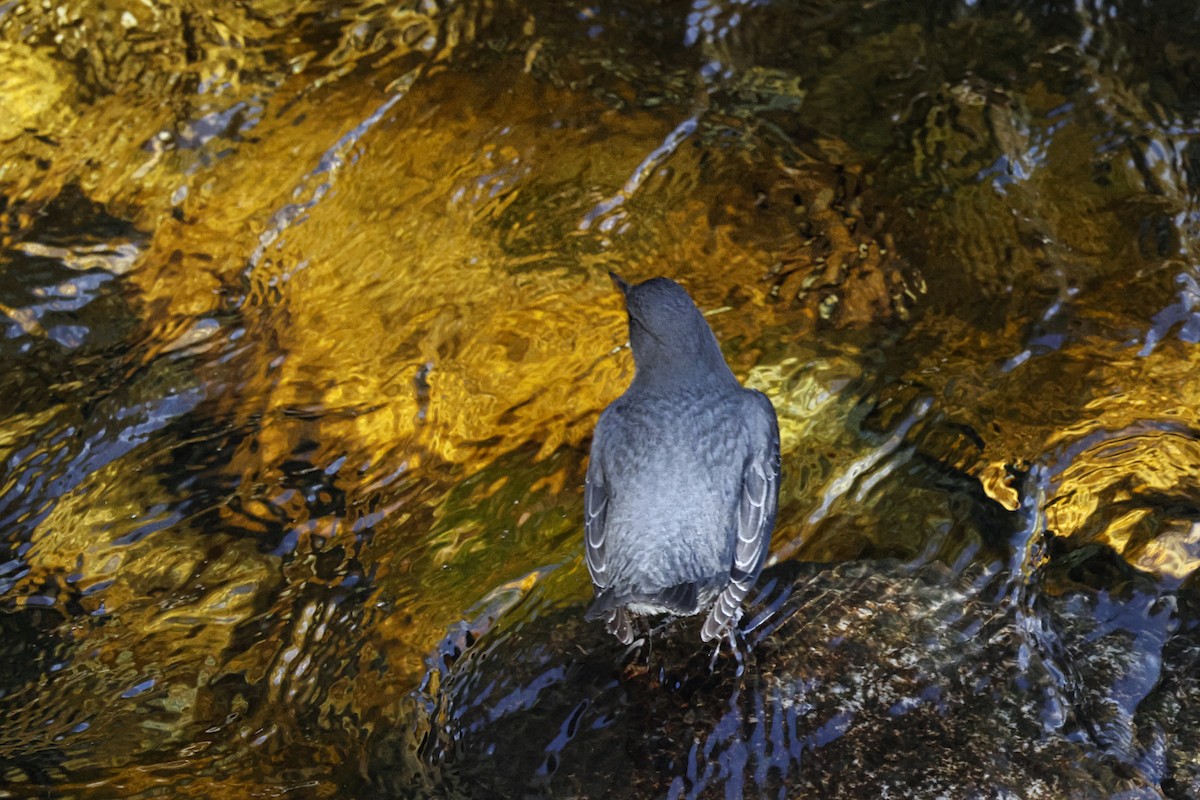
682 486
756 519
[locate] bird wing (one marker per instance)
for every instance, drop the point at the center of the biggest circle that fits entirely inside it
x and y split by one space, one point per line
595 507
757 505
760 498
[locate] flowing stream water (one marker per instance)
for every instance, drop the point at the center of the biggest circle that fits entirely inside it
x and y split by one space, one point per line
306 322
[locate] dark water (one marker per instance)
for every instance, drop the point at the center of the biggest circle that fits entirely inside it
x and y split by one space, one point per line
306 322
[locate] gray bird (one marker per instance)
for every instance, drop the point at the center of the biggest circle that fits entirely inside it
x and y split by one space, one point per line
683 481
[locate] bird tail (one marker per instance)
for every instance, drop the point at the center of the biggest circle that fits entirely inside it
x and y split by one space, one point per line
681 599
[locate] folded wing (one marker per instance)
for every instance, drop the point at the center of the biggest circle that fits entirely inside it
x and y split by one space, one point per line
757 505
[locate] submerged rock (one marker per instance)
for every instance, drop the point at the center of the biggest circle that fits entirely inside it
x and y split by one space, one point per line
860 681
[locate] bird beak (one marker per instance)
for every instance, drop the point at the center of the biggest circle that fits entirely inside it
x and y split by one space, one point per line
619 282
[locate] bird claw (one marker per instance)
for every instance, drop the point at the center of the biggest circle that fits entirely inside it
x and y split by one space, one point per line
738 646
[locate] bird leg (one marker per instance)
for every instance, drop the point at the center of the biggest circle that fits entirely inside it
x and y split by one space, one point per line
666 624
743 654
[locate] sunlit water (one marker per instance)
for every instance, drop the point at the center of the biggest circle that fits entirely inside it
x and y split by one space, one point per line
306 322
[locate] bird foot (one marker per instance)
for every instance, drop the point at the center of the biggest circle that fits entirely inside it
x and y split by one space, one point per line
738 647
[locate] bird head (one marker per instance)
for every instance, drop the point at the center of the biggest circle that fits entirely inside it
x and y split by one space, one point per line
668 334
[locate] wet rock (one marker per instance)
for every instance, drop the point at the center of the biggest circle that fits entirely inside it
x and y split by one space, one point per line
861 681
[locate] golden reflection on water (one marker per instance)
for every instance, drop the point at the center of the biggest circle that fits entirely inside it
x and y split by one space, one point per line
308 325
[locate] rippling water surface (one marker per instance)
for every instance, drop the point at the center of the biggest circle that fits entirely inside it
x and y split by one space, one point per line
306 322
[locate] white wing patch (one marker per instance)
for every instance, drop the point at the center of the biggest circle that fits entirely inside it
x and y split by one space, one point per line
595 504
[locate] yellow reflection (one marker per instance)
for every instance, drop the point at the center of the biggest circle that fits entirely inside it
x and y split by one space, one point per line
31 92
1174 553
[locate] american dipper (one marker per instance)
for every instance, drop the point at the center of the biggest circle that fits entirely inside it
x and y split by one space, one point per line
683 480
